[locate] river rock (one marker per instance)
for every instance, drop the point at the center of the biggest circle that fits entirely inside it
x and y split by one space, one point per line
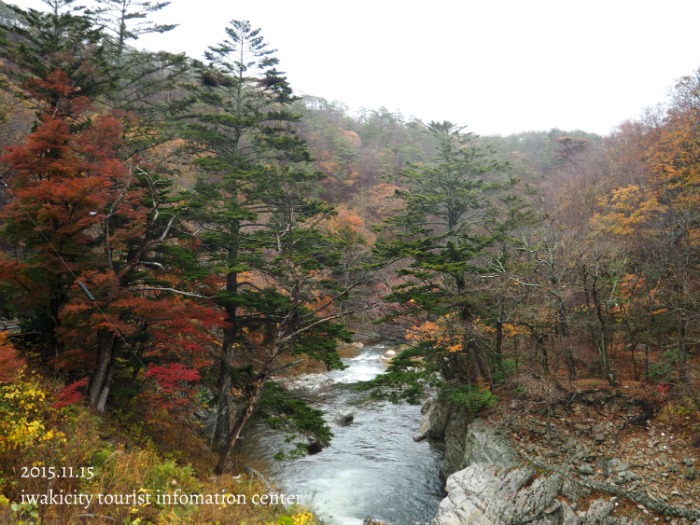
344 418
354 346
314 446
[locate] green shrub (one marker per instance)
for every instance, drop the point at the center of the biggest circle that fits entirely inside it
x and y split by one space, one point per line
509 368
662 370
473 399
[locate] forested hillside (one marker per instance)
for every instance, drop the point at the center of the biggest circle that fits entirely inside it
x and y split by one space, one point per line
177 233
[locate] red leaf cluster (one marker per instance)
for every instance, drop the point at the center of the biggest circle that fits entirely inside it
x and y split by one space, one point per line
70 394
10 361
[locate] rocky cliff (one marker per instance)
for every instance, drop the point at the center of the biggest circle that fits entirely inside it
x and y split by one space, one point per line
596 457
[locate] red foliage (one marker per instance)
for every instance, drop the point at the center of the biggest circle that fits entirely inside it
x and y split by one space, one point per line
70 394
175 383
663 389
101 213
60 91
63 182
10 361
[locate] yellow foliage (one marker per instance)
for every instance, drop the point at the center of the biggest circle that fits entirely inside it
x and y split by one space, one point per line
511 330
21 415
480 327
306 518
626 211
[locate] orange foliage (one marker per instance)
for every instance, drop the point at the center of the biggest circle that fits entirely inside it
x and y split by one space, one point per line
443 332
668 195
348 219
628 210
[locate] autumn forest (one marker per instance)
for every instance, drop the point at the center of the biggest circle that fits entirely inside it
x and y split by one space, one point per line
178 233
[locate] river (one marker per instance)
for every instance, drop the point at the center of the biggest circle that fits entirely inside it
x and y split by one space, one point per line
373 468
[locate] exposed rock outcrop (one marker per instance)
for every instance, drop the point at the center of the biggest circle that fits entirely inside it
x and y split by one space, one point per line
465 442
495 494
436 416
553 468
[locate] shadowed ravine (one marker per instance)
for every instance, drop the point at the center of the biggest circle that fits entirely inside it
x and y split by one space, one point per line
373 468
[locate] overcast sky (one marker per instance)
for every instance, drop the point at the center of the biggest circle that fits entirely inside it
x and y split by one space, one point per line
497 66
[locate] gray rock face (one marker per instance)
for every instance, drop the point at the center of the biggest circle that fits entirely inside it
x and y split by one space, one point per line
495 487
492 494
455 439
474 442
436 416
486 444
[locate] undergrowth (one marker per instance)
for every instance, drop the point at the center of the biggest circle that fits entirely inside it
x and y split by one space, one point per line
47 451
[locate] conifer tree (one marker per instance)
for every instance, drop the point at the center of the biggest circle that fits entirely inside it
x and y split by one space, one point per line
258 224
39 43
145 83
240 121
445 226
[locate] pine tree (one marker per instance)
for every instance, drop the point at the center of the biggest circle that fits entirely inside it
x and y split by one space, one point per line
241 127
128 20
60 40
145 83
447 222
259 225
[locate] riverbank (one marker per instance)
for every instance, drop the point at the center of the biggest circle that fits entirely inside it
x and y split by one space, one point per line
590 455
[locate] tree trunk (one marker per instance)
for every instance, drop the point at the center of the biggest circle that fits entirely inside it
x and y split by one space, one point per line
478 367
539 341
101 379
222 428
243 418
599 335
104 395
563 323
468 345
650 327
683 352
499 344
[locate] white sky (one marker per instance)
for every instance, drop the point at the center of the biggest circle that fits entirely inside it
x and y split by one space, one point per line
497 66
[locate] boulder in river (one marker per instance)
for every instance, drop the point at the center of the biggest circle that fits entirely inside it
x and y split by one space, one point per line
314 446
344 418
389 355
